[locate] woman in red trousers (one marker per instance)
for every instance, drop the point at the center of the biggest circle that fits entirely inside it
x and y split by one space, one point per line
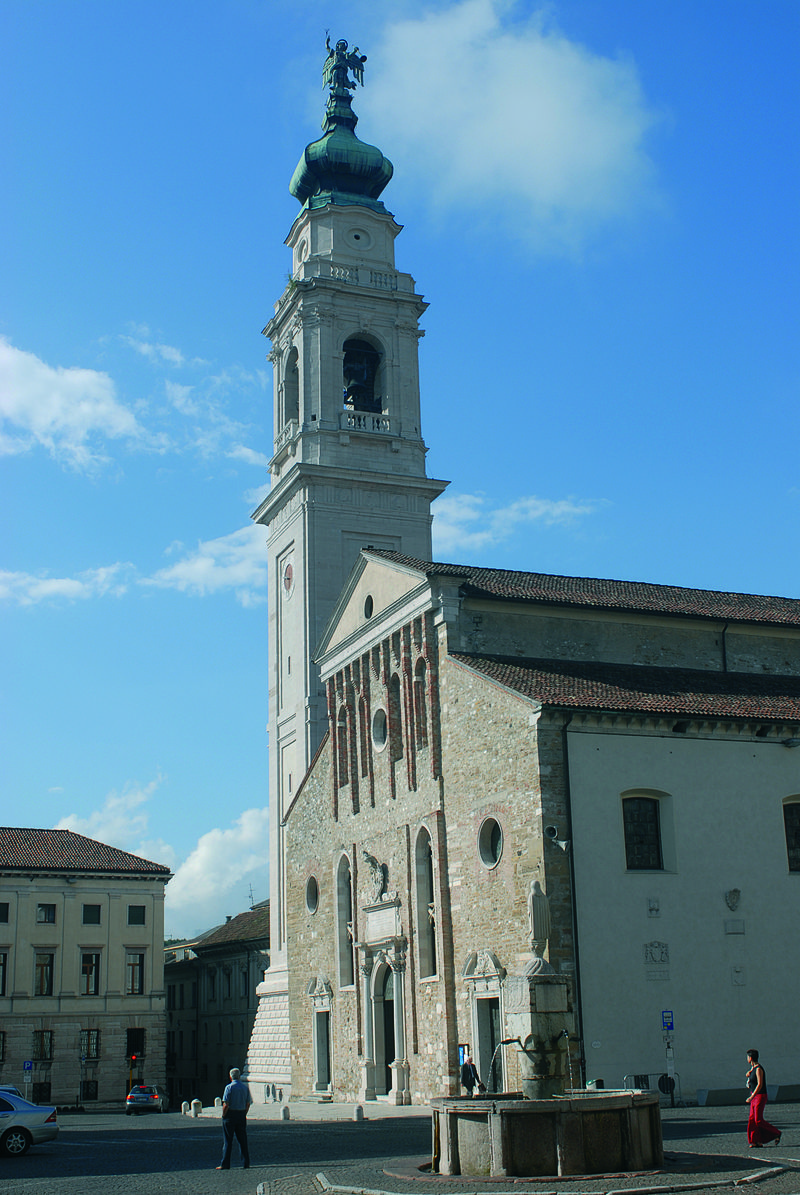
759 1131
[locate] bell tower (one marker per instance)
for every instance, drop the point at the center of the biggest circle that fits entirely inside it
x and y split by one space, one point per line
348 468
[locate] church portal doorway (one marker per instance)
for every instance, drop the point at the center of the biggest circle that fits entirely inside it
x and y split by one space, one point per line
322 1034
488 1026
383 998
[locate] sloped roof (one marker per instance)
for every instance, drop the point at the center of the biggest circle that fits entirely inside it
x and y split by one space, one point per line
637 688
63 850
244 927
600 594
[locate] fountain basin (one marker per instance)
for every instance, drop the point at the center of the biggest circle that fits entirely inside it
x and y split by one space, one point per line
580 1132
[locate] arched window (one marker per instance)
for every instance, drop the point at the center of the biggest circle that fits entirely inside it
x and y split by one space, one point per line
360 376
420 704
642 824
791 822
395 717
291 388
342 747
344 923
426 905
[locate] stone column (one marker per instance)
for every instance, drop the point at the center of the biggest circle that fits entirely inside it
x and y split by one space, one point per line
367 1091
399 1068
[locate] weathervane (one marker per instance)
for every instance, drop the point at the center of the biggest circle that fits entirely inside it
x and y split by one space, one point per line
339 62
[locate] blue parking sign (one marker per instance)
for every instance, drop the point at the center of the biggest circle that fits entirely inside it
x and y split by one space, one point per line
27 1066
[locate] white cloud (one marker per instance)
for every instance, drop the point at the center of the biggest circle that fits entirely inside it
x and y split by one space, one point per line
527 122
154 351
65 410
26 589
122 822
240 452
468 522
237 561
215 868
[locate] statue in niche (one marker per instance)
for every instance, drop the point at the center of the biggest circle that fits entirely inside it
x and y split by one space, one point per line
339 62
539 926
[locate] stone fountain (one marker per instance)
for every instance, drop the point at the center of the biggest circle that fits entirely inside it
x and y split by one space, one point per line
548 1128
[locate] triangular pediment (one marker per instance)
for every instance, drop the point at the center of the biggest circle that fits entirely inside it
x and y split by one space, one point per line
379 596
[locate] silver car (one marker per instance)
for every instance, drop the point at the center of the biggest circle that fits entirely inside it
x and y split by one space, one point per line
146 1098
23 1124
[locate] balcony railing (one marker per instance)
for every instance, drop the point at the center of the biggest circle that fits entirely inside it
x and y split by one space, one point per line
365 421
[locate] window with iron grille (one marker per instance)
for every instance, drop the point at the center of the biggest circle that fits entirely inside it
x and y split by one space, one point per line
42 1046
135 974
41 1093
90 974
90 1043
88 1090
791 821
135 914
642 834
43 975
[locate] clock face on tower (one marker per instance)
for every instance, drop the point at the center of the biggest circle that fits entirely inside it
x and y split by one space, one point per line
288 579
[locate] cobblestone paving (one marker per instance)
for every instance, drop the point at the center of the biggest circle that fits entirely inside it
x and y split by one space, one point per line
321 1149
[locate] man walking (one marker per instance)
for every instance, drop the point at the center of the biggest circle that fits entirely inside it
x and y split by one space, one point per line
235 1102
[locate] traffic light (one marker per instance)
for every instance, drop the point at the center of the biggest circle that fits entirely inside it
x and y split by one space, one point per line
133 1060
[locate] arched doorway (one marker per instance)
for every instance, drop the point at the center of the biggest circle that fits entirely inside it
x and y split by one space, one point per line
383 1009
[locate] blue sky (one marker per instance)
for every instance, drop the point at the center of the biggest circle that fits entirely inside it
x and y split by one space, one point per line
599 200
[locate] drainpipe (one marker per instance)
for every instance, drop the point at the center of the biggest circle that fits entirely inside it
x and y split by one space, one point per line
725 648
571 861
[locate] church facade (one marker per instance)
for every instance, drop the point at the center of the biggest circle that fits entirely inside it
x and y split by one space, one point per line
480 779
627 751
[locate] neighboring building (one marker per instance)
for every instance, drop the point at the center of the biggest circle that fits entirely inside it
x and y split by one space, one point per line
211 987
81 967
348 468
631 747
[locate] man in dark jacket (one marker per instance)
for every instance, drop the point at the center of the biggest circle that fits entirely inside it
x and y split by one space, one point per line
470 1077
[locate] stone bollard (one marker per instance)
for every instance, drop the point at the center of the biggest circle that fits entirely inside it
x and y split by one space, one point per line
218 1101
358 1112
197 1107
185 1107
285 1112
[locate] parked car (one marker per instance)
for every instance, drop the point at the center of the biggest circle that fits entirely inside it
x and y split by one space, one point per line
10 1087
23 1124
146 1099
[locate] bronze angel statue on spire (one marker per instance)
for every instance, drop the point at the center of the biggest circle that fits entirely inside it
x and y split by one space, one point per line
339 62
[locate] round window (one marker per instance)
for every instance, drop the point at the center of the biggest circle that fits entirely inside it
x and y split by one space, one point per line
312 894
369 606
358 238
379 729
490 842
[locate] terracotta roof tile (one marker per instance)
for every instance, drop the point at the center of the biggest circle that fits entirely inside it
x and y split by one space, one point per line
254 923
62 850
640 689
630 596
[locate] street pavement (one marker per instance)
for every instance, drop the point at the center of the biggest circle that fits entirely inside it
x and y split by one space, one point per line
321 1148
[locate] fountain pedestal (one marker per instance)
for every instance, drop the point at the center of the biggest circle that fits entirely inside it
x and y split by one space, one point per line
577 1133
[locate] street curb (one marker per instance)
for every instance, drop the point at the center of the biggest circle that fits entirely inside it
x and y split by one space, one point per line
666 1189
